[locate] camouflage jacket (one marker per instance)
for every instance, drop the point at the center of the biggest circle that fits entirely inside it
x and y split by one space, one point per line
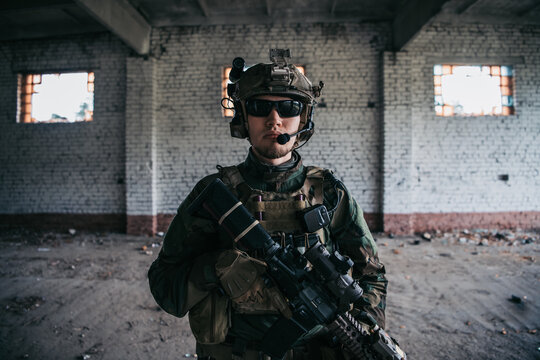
183 273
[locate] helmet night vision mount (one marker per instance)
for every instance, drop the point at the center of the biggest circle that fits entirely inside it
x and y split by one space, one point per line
278 78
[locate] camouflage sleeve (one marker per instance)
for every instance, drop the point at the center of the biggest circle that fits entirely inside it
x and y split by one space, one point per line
349 231
184 268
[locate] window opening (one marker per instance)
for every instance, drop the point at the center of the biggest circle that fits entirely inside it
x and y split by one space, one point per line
225 81
53 98
473 90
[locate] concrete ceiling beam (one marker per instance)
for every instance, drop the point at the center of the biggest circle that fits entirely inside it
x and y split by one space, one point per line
412 18
122 20
333 8
30 33
204 8
529 9
465 6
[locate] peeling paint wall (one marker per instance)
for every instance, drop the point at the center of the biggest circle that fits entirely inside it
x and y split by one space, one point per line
454 164
158 126
76 168
193 137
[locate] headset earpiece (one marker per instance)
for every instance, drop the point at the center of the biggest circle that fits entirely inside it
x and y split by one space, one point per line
237 124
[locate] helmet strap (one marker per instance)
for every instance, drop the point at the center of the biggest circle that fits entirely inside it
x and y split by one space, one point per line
309 124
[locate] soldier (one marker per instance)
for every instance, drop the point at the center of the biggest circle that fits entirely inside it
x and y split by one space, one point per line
199 270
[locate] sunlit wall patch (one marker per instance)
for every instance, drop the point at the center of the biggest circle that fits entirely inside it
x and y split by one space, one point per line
58 97
473 90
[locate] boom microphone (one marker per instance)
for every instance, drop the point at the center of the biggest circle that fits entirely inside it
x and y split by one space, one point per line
284 138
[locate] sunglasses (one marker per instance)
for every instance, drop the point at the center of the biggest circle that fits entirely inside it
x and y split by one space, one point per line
285 108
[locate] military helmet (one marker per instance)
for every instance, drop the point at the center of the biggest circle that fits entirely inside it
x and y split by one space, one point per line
277 78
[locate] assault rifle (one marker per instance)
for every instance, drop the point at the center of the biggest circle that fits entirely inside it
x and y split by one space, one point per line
319 294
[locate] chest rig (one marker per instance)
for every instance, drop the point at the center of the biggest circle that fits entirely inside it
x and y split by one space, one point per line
278 212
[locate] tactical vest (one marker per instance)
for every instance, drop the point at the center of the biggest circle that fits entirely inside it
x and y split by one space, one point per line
277 212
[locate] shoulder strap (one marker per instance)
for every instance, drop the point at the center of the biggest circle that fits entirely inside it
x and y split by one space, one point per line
231 176
316 172
313 185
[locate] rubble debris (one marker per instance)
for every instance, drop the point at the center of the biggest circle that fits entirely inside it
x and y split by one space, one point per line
104 275
95 349
517 299
150 307
503 331
145 249
25 304
483 237
43 249
72 232
35 320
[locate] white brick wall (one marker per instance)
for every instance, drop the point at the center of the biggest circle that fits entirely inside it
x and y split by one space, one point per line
193 137
455 161
140 137
64 168
144 159
397 134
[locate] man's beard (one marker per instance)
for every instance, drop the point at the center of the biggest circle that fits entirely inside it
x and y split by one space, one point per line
271 152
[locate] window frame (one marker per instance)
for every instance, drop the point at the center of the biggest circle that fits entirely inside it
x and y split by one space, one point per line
27 79
508 108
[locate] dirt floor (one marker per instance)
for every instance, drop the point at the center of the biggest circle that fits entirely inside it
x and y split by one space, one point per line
462 295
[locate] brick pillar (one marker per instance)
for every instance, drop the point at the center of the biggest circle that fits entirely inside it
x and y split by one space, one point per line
397 138
141 204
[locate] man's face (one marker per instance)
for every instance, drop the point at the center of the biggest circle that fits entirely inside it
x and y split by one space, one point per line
263 133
